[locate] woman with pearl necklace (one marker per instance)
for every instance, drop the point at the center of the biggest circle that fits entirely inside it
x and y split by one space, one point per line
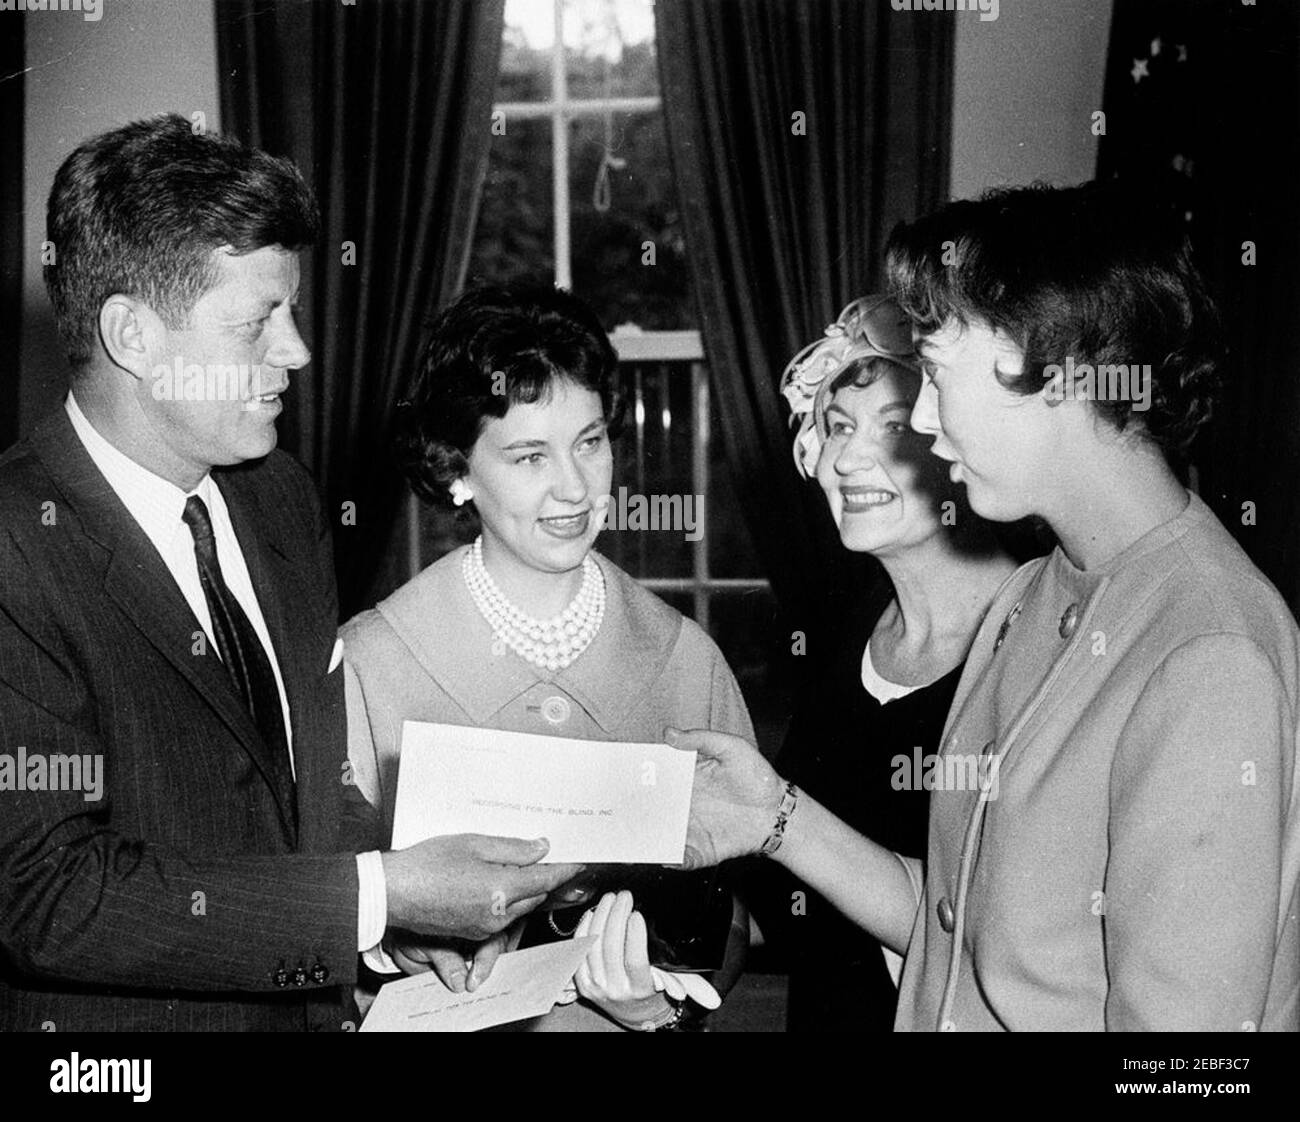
528 629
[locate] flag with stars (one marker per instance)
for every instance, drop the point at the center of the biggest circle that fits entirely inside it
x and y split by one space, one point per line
1158 75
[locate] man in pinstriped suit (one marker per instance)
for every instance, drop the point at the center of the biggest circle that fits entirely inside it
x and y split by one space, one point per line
168 613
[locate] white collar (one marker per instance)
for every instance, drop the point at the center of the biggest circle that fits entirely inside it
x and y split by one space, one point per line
881 688
154 502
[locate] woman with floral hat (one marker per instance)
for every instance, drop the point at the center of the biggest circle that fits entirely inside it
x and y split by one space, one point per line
863 737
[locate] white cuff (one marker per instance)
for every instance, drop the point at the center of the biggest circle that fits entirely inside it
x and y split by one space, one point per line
378 960
372 911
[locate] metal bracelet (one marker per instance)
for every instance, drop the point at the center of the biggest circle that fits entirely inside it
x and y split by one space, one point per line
671 1022
777 836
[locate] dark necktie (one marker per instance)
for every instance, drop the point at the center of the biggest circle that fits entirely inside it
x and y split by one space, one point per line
241 650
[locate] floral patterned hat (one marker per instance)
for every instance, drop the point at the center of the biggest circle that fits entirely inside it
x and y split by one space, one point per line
870 327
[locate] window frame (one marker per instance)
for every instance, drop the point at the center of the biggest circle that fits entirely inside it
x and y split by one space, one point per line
631 343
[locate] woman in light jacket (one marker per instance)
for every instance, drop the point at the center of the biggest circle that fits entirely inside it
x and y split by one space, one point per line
530 630
1115 835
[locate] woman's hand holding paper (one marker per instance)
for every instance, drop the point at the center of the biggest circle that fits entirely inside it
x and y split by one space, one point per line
735 798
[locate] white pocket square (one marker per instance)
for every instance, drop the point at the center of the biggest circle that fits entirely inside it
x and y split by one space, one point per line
336 656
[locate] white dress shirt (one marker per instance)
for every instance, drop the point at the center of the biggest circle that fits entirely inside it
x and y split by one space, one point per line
156 505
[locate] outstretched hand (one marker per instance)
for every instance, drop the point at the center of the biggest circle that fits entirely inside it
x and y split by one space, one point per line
734 801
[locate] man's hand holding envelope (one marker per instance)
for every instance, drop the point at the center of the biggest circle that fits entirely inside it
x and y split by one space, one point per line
468 884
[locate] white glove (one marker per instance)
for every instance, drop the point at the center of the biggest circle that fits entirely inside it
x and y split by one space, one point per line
677 986
617 976
681 986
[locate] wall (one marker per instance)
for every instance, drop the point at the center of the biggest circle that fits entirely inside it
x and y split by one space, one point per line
139 58
1025 87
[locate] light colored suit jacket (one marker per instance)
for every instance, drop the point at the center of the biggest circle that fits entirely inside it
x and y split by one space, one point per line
1131 861
426 654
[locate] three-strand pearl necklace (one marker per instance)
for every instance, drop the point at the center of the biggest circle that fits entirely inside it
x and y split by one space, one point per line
549 644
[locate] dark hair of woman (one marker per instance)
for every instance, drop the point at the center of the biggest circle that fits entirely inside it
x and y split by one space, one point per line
493 348
1096 273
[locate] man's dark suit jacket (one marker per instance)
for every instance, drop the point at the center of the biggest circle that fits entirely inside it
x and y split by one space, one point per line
182 899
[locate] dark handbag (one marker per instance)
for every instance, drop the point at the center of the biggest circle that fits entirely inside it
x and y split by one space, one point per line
688 914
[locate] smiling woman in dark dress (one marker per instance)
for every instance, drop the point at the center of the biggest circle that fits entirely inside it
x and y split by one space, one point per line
883 685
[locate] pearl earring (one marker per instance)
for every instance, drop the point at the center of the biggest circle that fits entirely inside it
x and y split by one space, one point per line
460 492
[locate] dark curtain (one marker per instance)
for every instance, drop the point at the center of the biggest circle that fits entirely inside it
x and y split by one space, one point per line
786 218
1203 102
12 52
386 108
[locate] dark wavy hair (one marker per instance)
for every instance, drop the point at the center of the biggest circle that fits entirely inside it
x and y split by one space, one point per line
139 210
1098 272
862 373
493 348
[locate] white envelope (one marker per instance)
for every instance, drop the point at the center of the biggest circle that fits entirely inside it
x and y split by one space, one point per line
522 984
594 800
